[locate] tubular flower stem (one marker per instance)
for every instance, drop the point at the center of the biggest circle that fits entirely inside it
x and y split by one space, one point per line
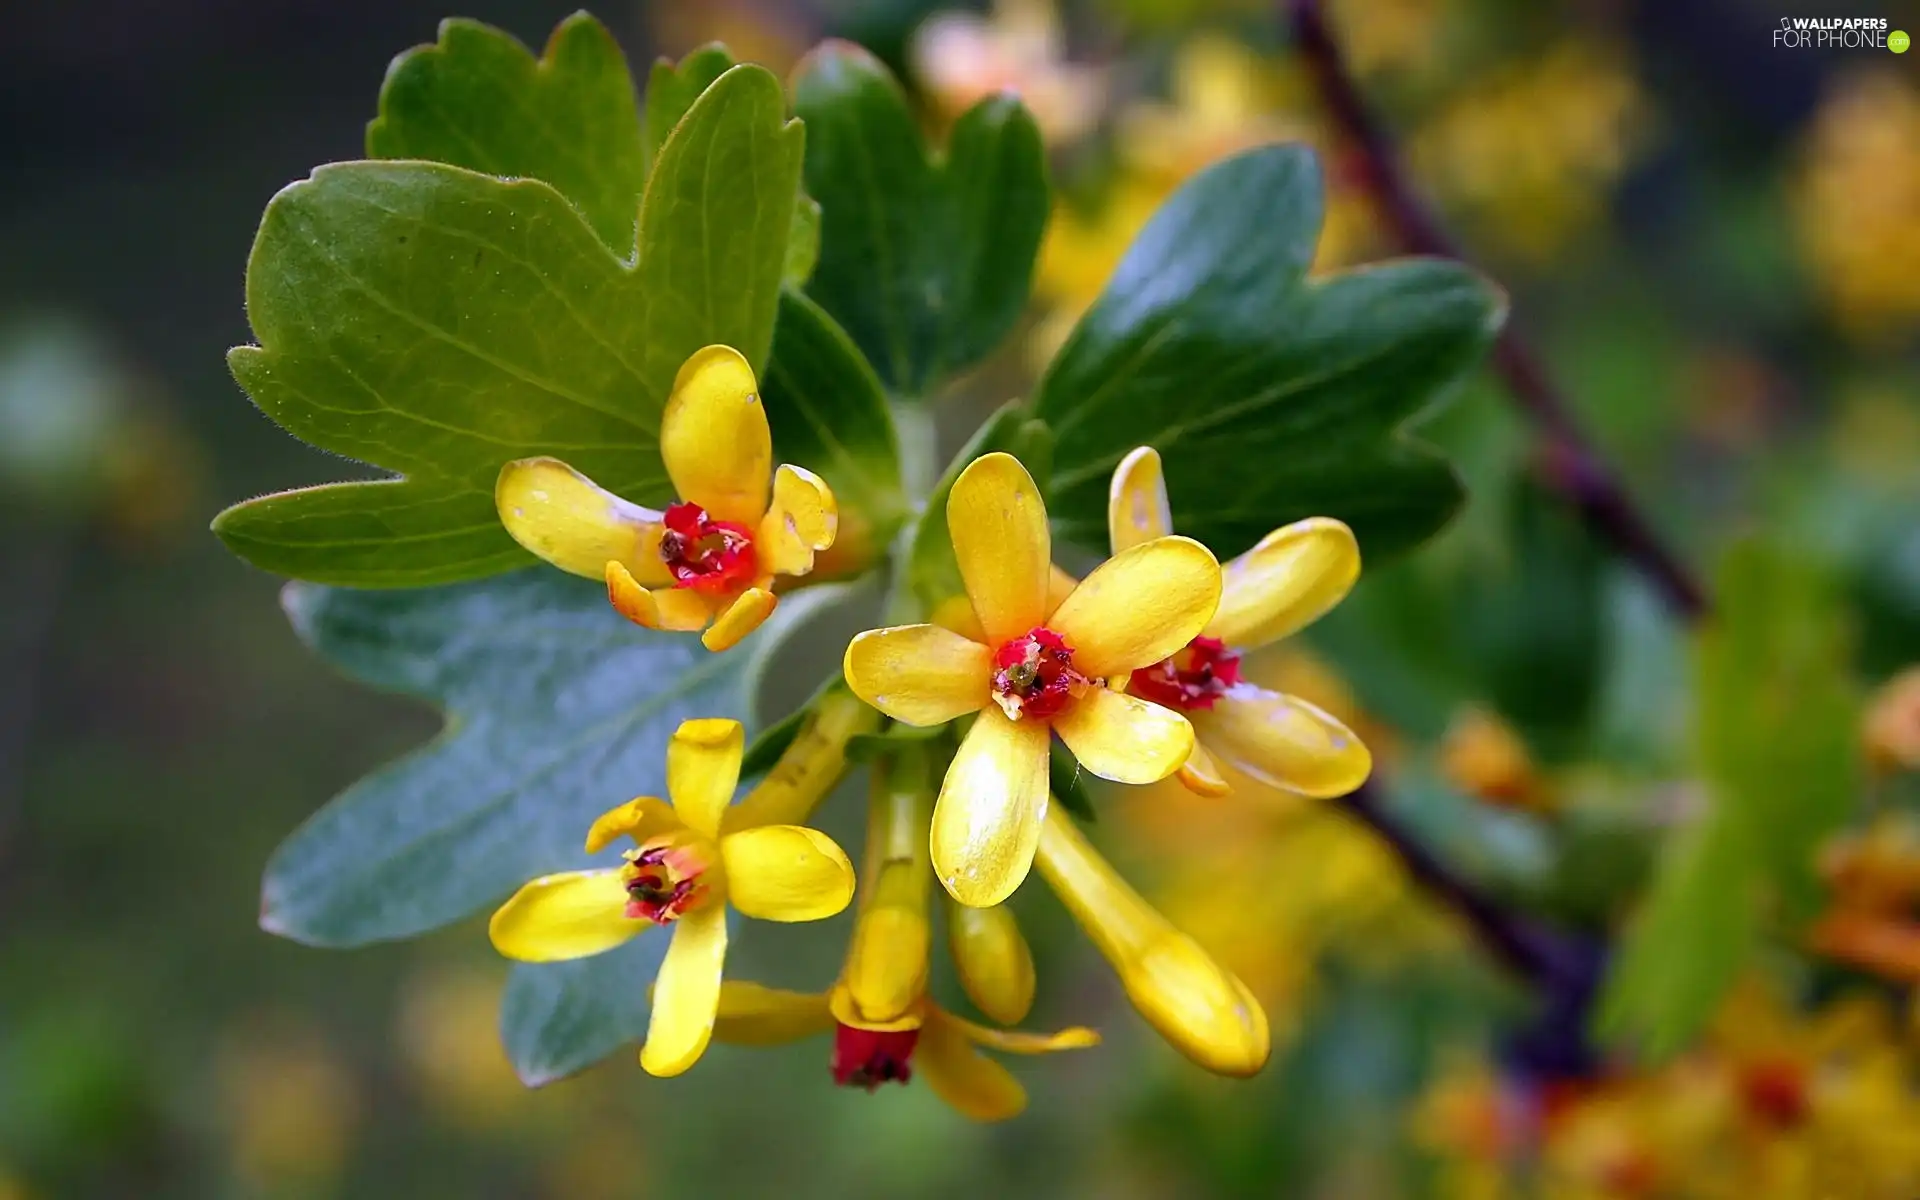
811 766
710 560
1201 1008
886 969
993 959
1041 669
1288 580
684 872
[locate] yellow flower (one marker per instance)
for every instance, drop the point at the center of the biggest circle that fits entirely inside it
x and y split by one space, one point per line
945 1047
1288 580
1037 670
1202 1009
684 873
1483 757
712 557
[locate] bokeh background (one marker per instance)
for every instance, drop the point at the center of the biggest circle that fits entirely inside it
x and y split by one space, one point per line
1716 243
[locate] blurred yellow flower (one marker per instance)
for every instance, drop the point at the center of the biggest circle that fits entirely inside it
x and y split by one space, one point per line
448 1035
1854 199
963 57
1891 729
1484 757
684 872
709 560
291 1106
1040 669
1527 155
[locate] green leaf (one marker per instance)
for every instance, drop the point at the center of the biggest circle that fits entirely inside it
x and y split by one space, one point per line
829 415
1688 943
672 88
439 323
926 261
933 574
558 709
560 1018
1270 396
1777 731
478 99
803 243
1776 740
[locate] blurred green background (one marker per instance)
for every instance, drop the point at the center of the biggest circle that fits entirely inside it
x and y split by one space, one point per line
1716 242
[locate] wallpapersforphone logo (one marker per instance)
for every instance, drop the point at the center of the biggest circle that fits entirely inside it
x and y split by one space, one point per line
1839 33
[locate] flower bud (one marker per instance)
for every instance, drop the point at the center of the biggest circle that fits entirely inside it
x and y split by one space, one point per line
886 970
1198 1006
995 965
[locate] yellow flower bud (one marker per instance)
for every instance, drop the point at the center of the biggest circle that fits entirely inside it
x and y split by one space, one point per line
1892 726
996 967
1201 1008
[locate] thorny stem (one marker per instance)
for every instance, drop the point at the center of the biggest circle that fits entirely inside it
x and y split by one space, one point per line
1567 462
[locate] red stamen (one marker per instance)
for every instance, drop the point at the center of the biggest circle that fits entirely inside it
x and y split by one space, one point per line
705 554
1033 675
1193 678
867 1058
661 885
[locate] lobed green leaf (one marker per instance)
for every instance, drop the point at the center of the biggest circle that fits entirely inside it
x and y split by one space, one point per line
926 260
1270 396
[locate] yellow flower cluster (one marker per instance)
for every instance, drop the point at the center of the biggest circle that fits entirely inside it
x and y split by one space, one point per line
1528 155
1136 667
1854 200
1774 1103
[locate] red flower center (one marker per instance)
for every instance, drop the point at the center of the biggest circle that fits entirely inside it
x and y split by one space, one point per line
705 554
1775 1092
1033 675
867 1058
1193 678
663 881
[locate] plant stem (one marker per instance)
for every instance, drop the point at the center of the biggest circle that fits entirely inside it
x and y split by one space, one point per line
1568 463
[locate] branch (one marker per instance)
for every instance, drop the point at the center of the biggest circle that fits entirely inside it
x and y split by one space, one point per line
1568 462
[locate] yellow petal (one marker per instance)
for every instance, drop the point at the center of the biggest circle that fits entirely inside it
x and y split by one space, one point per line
1283 741
1198 1006
968 1080
919 674
714 437
752 1014
811 765
993 960
574 523
741 618
956 612
786 873
1201 775
570 915
847 1012
1124 738
1137 509
1139 606
987 819
1294 576
803 518
703 765
1013 1041
639 818
681 610
998 523
686 995
885 977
